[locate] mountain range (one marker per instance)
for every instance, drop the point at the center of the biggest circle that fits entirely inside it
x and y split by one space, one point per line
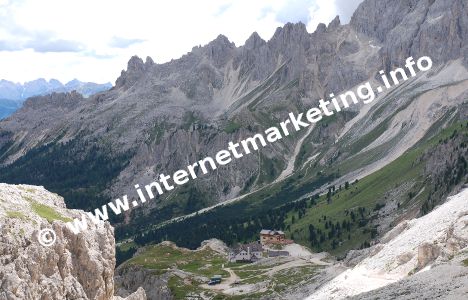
338 186
12 94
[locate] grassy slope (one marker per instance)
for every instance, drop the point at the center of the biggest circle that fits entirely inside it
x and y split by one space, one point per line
159 258
405 173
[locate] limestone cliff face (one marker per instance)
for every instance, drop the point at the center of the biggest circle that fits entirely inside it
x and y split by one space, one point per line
74 267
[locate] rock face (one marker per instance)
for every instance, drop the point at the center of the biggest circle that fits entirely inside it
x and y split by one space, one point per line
410 27
74 267
194 101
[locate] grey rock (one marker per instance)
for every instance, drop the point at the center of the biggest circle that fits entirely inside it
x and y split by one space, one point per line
434 28
74 267
447 281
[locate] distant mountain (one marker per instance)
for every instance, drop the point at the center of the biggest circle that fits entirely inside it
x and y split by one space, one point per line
13 94
86 88
39 87
7 107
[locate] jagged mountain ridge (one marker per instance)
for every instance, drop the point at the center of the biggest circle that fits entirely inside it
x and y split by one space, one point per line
163 106
165 116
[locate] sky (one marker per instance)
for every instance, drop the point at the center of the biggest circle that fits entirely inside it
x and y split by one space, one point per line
92 40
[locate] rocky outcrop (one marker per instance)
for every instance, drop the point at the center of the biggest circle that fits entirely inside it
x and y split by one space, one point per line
67 101
128 278
136 68
74 267
138 295
427 253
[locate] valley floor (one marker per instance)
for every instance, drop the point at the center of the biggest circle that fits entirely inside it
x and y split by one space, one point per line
188 271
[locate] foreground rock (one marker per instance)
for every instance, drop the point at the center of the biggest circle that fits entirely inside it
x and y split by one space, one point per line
74 267
432 247
445 281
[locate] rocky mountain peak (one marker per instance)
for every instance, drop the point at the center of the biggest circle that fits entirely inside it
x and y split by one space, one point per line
222 40
219 50
321 28
290 39
135 64
136 68
20 92
291 32
55 83
73 82
149 61
254 41
335 23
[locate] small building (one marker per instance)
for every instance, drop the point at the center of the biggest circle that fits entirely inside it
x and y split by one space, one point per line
271 237
246 253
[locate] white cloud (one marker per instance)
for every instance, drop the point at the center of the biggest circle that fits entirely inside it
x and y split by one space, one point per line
120 42
295 11
93 40
322 12
345 8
